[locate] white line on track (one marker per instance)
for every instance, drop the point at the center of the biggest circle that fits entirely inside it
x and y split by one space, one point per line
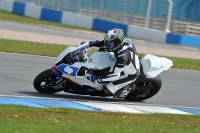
14 96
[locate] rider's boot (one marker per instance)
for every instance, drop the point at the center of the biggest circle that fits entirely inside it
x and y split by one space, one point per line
117 90
107 92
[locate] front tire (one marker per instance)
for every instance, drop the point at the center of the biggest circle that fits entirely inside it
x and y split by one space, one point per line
43 81
153 84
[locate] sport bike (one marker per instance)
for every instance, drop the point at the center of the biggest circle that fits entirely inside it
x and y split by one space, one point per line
74 65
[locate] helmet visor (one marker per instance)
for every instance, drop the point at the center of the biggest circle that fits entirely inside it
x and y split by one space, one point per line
109 44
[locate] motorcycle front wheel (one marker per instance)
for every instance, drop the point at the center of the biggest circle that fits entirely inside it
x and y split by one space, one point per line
45 81
152 84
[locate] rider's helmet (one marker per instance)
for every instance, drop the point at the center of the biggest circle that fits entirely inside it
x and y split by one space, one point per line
113 39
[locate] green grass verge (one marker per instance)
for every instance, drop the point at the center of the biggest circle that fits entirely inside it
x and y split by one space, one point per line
20 119
35 48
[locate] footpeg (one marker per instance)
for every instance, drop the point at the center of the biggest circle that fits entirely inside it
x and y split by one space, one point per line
124 91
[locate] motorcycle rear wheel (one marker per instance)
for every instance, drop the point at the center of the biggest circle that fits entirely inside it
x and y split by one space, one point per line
154 84
44 79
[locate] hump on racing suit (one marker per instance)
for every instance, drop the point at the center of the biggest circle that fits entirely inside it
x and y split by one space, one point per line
131 45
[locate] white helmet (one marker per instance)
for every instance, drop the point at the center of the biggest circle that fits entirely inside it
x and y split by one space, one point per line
113 39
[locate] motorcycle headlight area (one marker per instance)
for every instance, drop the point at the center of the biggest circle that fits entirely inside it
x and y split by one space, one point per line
80 56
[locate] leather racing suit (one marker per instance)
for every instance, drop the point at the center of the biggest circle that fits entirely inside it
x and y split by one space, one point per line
126 69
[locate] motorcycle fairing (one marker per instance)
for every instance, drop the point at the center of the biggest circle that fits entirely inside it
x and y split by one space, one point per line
102 60
67 69
82 80
154 65
64 53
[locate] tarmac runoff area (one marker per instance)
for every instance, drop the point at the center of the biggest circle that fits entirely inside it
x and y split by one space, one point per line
92 106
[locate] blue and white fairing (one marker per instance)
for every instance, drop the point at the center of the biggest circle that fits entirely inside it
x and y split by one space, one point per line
97 61
68 69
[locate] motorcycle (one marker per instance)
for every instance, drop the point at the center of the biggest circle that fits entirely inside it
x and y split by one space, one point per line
74 65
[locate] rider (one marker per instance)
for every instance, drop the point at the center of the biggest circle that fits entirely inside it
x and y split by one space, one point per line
126 61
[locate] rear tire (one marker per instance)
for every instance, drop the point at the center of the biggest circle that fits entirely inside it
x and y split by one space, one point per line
43 79
154 84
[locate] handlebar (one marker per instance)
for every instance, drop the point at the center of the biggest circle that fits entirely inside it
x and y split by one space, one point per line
83 46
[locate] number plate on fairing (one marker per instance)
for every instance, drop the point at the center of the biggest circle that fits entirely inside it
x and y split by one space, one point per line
67 69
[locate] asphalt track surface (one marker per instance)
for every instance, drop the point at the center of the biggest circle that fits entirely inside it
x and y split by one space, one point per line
17 72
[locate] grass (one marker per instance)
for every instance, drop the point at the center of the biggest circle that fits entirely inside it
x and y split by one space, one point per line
183 63
54 50
20 119
34 48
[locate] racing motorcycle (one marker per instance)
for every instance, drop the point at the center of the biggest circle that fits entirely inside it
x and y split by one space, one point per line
74 65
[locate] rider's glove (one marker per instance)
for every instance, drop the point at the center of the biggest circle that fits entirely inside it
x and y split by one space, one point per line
82 43
93 78
93 43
